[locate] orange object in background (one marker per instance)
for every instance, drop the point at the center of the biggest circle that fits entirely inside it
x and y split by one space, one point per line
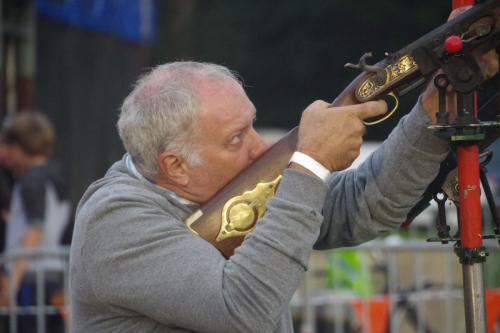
492 308
378 316
378 308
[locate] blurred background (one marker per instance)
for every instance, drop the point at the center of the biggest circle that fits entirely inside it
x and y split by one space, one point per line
76 60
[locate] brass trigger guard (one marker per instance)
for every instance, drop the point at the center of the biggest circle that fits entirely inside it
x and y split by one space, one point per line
389 114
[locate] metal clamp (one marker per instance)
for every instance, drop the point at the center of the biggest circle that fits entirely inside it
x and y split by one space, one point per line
471 256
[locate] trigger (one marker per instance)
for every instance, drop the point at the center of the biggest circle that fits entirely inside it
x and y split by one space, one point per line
388 114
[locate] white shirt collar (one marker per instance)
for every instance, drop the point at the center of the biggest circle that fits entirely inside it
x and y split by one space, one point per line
131 167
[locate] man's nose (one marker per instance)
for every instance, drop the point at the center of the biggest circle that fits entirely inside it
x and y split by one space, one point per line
259 146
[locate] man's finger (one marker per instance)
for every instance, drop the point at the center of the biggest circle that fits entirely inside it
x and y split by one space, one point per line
371 109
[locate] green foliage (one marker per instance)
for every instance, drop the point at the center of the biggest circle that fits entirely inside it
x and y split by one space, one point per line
492 270
349 269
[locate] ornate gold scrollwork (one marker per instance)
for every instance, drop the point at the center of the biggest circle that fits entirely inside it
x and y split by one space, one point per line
240 214
404 66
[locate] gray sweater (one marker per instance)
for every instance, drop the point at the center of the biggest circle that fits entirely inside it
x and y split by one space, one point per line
135 267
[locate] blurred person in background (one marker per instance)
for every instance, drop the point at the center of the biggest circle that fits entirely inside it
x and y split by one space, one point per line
6 184
39 213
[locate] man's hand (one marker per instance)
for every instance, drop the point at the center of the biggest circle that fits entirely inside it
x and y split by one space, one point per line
333 135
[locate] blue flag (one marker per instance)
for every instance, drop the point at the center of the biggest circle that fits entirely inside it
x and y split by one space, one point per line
130 19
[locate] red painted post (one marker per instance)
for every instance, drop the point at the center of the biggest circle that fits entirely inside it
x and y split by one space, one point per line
472 254
468 181
463 3
470 190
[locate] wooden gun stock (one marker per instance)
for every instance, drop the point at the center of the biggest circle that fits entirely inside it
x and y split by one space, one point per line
234 211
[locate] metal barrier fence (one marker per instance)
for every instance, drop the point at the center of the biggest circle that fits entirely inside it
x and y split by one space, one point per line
59 305
390 286
379 287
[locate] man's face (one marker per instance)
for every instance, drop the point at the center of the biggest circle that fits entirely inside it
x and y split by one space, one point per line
224 137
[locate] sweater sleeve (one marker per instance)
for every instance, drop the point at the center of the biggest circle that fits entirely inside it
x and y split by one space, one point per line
365 202
144 260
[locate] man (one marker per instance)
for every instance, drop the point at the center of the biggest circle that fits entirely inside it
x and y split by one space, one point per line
39 213
187 128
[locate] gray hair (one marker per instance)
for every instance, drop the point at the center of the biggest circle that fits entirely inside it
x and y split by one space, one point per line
159 114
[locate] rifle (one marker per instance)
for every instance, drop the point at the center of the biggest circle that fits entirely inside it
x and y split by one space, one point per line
235 209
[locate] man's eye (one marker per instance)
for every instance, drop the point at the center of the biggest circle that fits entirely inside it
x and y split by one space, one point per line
235 139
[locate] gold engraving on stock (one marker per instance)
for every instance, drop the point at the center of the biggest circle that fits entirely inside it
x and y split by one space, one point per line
394 72
240 214
405 65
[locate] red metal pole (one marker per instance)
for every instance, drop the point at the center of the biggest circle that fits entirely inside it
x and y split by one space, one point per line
463 3
468 181
471 243
470 204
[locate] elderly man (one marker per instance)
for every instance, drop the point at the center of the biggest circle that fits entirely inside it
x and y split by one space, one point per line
187 128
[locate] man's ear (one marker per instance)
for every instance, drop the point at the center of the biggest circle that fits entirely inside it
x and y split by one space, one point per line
173 168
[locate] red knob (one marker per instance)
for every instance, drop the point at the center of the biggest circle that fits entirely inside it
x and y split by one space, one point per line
453 44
